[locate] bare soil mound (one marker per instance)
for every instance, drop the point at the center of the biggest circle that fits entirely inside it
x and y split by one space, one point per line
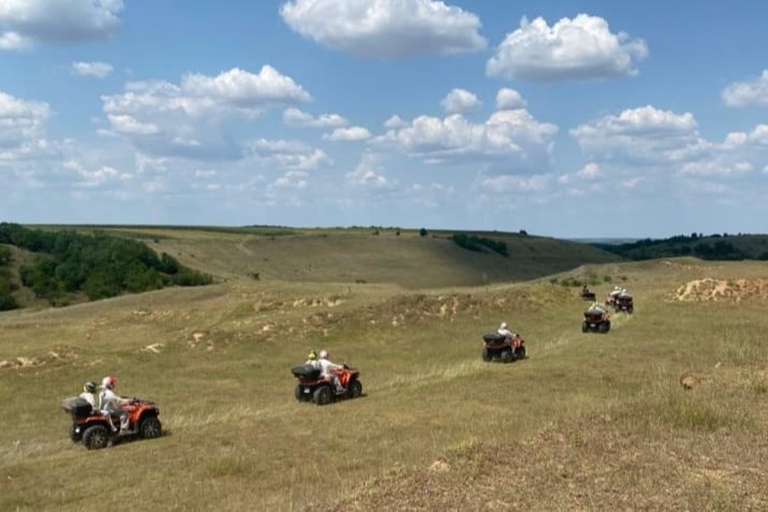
722 290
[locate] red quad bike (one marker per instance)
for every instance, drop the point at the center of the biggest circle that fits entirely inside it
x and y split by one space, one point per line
312 387
504 348
92 428
624 303
596 321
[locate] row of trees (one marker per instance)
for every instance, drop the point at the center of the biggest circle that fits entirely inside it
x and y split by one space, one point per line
712 247
98 265
479 243
7 286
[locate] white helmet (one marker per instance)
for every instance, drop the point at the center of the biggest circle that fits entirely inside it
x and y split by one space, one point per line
323 354
503 325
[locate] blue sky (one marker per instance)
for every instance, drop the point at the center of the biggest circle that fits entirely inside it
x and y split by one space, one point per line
564 118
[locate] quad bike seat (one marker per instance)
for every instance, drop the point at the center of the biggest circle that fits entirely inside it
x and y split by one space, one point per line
493 337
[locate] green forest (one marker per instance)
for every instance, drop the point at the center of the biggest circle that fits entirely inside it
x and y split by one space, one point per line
97 265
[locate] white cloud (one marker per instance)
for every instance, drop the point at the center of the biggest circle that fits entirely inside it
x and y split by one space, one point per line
751 92
395 122
385 28
717 166
510 136
13 41
288 154
57 21
509 99
97 69
188 120
291 179
514 183
641 136
591 171
21 122
294 117
367 173
581 48
245 89
351 134
459 101
127 125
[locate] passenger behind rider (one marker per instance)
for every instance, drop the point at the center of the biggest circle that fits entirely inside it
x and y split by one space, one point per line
109 403
312 360
325 368
89 393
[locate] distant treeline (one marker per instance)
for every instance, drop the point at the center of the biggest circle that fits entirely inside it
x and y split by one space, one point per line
7 286
479 243
711 247
97 265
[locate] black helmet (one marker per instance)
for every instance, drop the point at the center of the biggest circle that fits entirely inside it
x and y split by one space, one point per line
89 387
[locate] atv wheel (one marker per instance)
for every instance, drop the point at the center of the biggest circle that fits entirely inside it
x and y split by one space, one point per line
96 437
74 435
584 327
354 389
604 327
506 356
487 357
520 353
298 393
323 395
630 309
150 428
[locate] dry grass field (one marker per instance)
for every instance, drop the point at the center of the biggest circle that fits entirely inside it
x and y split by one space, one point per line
588 421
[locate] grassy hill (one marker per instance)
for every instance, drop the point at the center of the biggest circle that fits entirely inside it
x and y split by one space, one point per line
587 422
356 255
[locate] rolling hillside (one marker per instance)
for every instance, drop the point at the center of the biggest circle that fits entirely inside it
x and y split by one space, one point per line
587 422
352 256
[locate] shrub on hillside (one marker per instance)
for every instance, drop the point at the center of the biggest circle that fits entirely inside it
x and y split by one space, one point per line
98 265
479 244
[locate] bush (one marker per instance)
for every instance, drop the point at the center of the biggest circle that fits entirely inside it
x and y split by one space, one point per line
255 275
423 232
477 243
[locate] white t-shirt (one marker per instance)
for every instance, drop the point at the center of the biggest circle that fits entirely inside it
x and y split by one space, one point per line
109 401
326 366
89 397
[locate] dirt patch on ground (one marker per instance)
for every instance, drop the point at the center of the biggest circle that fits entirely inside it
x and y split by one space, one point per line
722 290
683 266
57 355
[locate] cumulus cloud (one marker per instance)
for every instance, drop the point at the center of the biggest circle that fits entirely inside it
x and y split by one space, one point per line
367 173
644 135
509 99
582 48
294 117
751 92
287 154
188 120
591 171
648 139
291 179
351 134
22 122
385 28
515 183
459 101
24 22
95 69
395 122
511 136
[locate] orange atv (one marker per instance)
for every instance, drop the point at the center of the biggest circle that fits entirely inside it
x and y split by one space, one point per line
504 348
93 428
596 320
318 389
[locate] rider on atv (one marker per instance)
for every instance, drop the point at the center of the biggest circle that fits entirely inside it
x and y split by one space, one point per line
325 368
109 404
